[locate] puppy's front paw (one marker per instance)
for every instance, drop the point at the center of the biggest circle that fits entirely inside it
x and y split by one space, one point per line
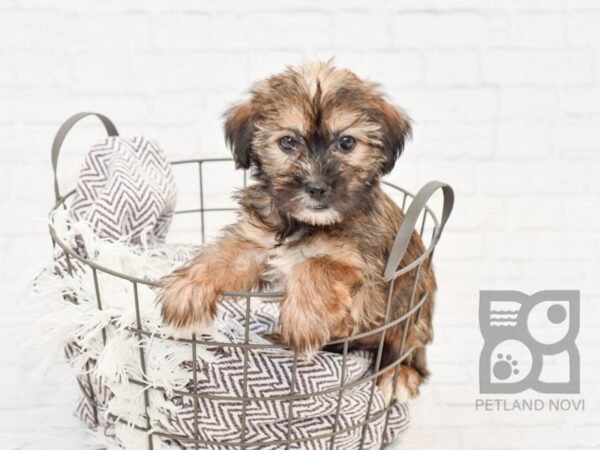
407 384
310 315
188 303
303 331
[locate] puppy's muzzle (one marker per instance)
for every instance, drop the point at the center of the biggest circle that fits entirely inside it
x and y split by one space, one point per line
317 190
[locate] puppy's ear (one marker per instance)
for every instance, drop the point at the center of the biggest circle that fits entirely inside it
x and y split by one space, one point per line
396 129
239 128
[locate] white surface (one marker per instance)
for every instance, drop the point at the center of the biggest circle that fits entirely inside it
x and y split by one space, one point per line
505 96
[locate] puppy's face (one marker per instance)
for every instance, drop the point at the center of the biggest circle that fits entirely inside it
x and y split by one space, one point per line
319 138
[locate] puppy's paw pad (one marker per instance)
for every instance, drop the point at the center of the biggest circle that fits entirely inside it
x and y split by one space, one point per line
403 394
387 389
407 385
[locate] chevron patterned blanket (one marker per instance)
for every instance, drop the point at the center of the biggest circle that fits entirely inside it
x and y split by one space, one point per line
104 370
126 190
108 224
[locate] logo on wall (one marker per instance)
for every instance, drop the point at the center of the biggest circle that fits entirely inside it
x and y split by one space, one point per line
529 342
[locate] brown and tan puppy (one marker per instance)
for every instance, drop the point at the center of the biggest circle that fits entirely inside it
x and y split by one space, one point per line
315 222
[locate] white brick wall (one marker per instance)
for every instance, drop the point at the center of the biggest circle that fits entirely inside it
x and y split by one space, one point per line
505 95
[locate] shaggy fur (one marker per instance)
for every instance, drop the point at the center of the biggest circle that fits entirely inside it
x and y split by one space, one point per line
316 221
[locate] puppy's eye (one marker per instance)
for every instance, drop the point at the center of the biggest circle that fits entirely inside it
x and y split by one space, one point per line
346 143
288 143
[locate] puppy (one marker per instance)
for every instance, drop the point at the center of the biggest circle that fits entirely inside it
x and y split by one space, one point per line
315 221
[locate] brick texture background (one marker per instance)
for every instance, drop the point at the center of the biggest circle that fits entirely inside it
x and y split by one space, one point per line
505 95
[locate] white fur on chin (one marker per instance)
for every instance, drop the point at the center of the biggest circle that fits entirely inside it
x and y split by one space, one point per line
327 216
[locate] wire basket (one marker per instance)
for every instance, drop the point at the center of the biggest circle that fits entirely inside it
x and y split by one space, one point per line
418 217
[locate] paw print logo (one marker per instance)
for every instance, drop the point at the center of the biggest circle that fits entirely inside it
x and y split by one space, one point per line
521 333
505 367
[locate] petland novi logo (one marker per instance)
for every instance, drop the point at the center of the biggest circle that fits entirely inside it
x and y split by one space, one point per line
521 333
529 343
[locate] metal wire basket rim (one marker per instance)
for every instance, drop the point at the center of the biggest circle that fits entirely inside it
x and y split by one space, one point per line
248 294
344 340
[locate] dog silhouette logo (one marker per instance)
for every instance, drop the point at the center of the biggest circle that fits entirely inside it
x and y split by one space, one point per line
529 342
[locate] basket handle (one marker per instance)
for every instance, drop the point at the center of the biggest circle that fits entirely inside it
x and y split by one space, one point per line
62 133
410 220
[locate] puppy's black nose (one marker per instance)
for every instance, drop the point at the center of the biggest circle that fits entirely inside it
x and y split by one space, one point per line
317 189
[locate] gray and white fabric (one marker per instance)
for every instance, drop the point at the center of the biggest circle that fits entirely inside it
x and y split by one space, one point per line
126 190
220 372
269 376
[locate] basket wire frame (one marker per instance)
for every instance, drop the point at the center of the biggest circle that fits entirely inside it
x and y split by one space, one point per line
405 321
